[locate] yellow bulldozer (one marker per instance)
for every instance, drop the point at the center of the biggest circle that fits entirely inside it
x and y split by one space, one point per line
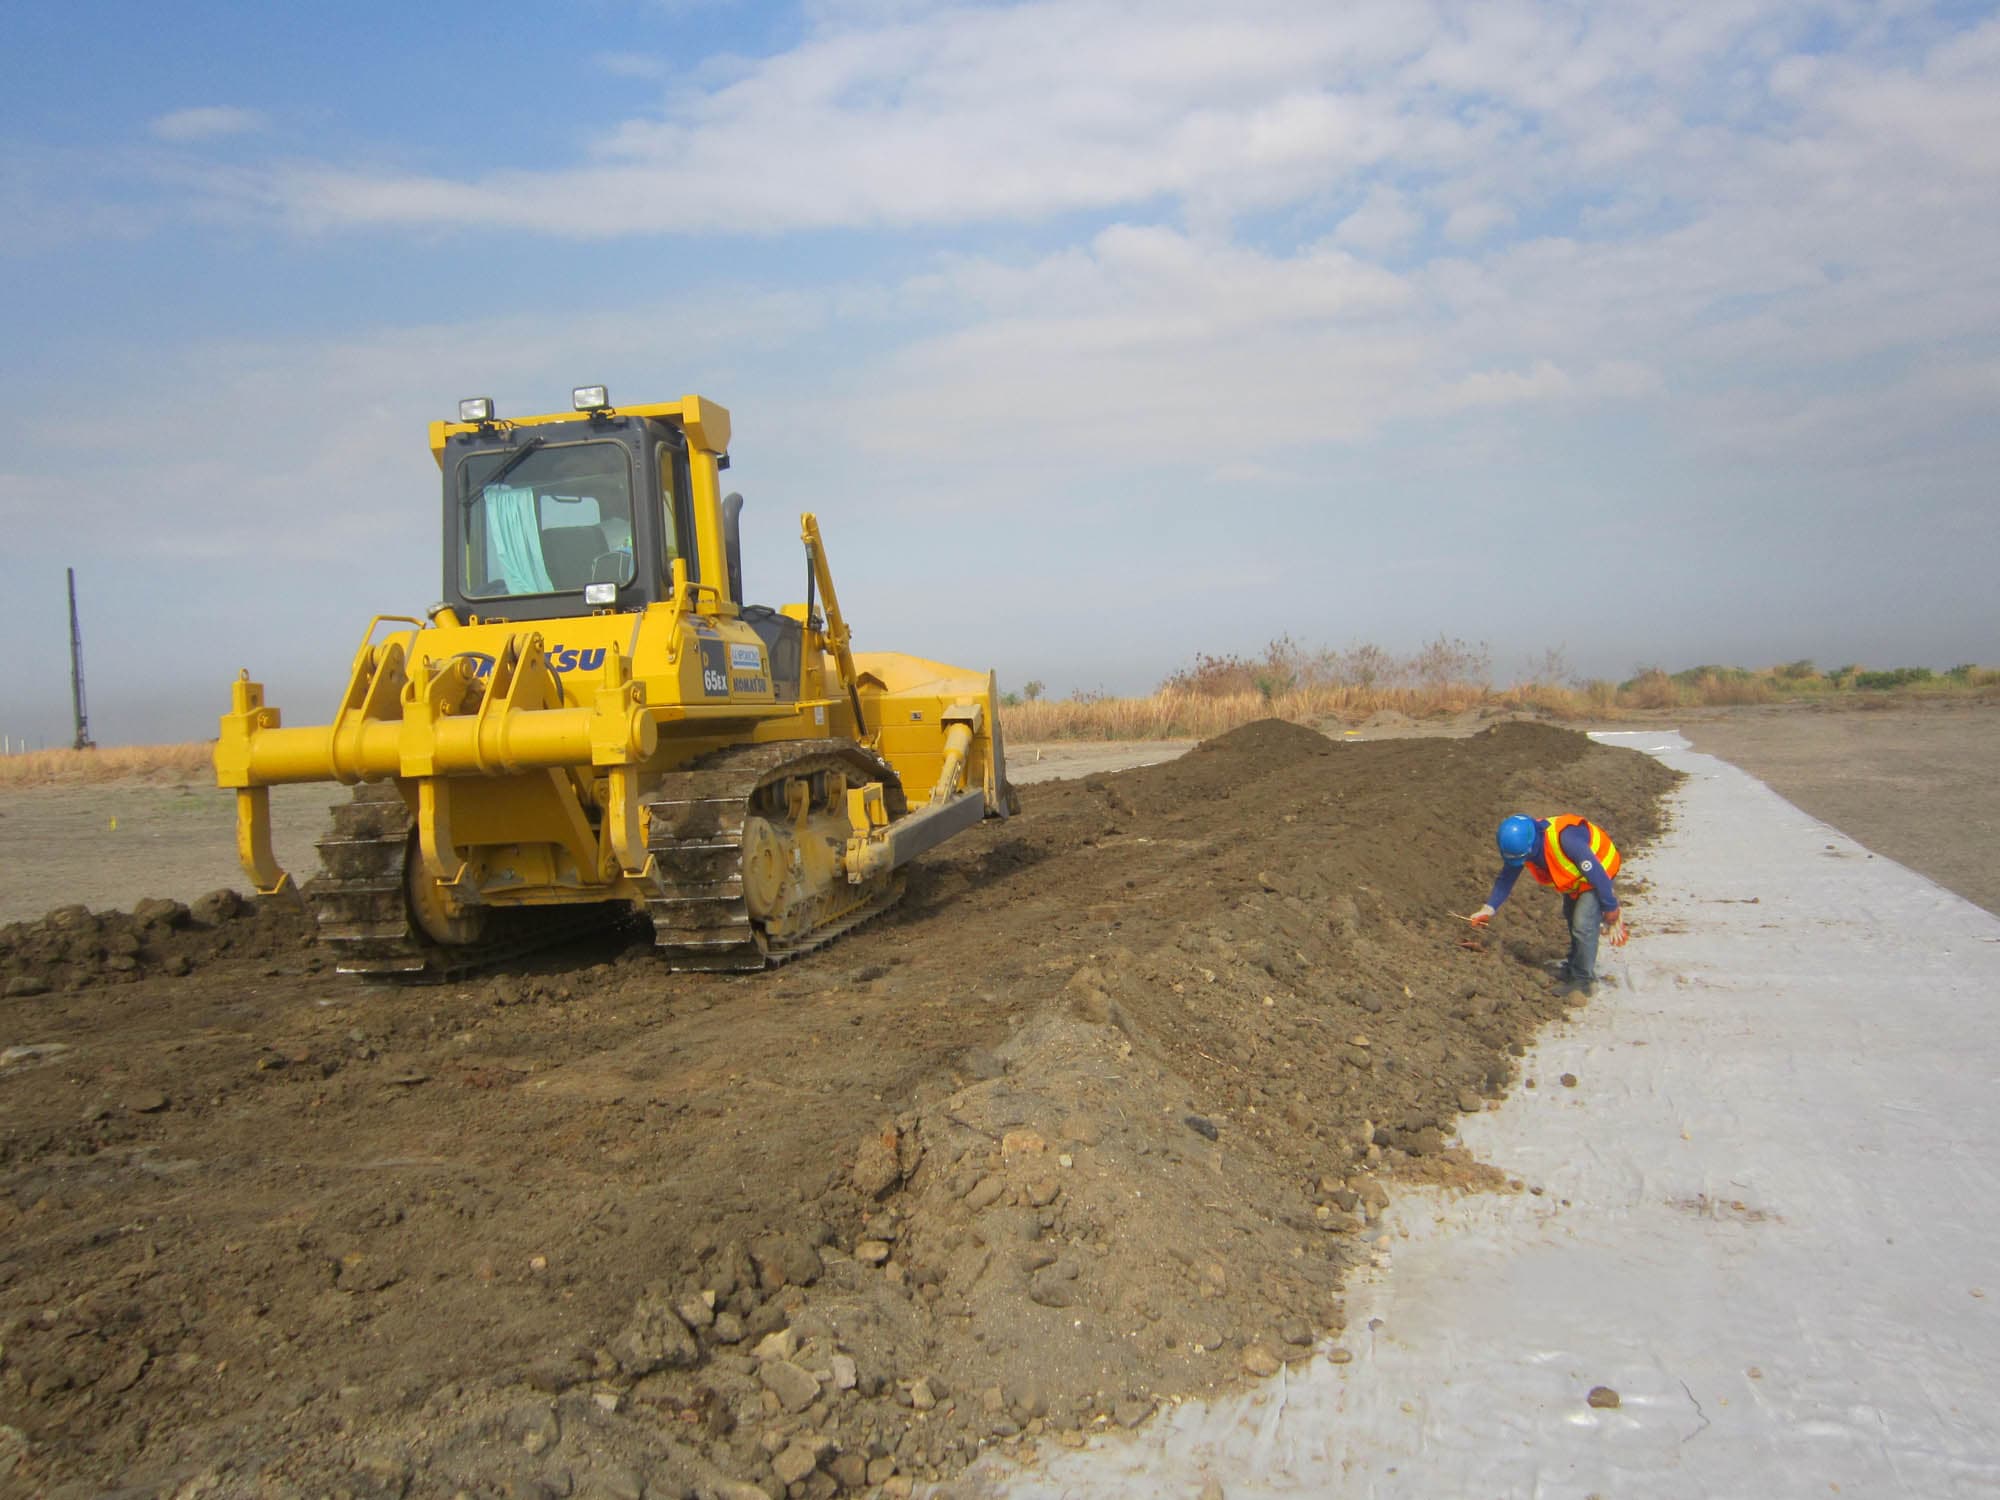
593 722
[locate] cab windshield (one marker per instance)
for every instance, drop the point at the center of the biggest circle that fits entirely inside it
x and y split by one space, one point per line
550 521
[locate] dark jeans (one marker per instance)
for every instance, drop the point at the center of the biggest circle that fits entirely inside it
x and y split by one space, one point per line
1583 914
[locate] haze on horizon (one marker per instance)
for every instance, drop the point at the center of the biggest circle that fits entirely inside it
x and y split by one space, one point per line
1097 336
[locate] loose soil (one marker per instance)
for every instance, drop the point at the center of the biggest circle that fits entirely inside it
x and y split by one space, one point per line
1101 1115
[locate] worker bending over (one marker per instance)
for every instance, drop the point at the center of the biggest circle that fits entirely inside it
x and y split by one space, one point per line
1576 857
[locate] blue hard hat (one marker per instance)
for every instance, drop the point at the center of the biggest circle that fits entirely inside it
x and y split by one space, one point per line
1516 838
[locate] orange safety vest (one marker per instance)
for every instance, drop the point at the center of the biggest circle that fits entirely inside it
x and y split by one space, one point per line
1556 869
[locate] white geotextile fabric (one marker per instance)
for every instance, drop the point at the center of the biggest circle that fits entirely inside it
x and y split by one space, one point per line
1771 1218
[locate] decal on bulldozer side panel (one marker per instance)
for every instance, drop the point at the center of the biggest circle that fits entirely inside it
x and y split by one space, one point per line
714 668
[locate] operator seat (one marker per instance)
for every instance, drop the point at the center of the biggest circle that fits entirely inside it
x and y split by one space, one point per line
568 552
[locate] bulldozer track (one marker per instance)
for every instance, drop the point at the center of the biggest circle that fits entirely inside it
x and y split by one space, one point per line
361 906
695 826
695 835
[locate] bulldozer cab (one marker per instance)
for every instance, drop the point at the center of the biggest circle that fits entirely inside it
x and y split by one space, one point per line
564 518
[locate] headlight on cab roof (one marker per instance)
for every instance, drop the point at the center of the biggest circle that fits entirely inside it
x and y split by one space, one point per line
590 398
476 409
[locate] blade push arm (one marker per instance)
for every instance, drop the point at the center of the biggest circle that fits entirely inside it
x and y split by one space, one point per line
837 635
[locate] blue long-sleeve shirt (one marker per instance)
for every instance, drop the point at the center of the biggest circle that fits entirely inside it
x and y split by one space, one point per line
1575 841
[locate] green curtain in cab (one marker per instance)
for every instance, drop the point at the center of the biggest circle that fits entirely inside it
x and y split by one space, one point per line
516 539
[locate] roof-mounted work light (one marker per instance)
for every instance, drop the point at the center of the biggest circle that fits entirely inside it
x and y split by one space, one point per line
591 398
476 409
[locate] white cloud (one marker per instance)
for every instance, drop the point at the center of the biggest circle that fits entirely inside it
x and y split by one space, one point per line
1384 223
1482 120
1947 109
1474 221
210 122
964 114
1152 346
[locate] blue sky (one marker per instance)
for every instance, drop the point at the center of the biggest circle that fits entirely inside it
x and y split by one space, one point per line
1097 334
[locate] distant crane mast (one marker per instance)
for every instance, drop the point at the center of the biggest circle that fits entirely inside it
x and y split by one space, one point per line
83 740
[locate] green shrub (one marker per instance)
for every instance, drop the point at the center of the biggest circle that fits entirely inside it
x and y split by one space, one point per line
1895 677
1702 676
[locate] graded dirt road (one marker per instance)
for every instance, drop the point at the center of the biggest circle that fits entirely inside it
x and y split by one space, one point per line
1100 1115
1919 783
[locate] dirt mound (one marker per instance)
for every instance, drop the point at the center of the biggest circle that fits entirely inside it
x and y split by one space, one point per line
1273 742
1101 1115
74 948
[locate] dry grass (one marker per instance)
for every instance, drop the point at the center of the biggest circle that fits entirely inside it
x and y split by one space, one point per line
1450 677
170 763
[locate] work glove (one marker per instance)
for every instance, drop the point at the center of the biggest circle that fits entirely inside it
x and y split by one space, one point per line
1481 917
1615 929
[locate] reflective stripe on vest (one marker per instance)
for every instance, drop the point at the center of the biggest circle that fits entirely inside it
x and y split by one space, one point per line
1556 868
